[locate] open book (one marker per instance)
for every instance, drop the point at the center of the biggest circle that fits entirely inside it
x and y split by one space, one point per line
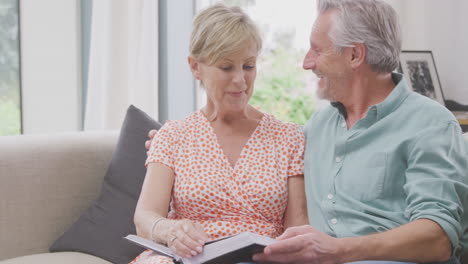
233 249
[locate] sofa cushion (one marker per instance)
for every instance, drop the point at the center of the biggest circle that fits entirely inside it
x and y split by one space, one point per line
100 229
57 258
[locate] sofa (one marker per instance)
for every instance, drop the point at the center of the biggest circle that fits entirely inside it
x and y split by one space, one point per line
46 182
72 194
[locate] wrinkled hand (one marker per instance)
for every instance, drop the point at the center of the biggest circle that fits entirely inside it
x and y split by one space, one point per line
150 136
302 244
186 238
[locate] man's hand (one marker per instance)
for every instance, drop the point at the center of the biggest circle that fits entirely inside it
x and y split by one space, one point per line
303 244
151 136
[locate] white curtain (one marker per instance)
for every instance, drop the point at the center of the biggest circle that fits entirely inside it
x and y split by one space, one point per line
123 61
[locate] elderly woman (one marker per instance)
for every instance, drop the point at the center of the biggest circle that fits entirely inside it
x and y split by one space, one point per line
227 168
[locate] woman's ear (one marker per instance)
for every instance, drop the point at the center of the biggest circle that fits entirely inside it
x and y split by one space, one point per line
358 55
194 67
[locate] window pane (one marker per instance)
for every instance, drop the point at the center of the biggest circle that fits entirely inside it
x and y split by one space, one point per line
10 96
282 87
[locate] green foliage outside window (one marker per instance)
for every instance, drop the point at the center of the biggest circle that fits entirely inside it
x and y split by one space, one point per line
279 88
10 115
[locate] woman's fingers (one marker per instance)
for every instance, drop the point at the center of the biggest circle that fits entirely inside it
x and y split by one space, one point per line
187 238
191 236
179 248
195 231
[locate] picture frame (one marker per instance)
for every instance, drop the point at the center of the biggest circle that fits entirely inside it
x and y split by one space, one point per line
420 71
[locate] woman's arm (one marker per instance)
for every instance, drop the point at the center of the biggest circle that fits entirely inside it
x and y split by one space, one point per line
154 200
184 237
296 210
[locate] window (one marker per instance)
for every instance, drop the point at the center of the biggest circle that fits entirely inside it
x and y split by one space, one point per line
10 95
282 87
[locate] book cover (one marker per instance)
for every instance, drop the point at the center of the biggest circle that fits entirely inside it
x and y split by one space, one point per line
234 249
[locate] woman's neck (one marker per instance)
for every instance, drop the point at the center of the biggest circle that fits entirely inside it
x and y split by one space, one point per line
213 113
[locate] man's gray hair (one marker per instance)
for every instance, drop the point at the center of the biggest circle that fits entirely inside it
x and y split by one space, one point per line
371 22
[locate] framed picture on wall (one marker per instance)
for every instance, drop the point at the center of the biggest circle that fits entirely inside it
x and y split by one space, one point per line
419 69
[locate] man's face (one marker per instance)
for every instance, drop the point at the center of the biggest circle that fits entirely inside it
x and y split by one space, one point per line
330 66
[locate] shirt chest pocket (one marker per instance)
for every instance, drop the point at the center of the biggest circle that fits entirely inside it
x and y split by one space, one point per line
367 180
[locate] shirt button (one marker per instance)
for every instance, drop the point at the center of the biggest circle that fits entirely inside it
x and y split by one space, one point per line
330 196
343 125
334 221
338 159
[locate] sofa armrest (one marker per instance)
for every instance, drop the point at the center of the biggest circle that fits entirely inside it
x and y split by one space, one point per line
46 182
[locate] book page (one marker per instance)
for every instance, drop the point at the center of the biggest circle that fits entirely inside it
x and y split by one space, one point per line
234 249
242 246
148 244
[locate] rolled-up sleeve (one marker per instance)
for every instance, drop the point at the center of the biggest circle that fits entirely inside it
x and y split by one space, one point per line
436 179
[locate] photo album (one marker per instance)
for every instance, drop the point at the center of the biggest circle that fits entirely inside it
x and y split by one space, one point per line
233 249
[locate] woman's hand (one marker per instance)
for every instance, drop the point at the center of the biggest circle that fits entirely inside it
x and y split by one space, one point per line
186 238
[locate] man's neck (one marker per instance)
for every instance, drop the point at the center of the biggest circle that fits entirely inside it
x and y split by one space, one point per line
366 90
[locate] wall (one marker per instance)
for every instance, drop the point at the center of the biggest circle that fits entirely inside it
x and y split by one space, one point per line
86 18
50 59
460 53
439 26
50 46
177 98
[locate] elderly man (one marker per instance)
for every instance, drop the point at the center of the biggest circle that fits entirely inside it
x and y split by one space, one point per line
386 169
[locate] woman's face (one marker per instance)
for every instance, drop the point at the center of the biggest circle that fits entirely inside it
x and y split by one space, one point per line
229 81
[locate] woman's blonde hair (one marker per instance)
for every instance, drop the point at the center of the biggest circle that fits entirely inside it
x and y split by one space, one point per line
220 30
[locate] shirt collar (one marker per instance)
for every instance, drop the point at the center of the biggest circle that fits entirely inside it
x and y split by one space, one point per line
393 100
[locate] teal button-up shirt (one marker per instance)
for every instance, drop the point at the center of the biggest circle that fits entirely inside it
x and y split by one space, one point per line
405 160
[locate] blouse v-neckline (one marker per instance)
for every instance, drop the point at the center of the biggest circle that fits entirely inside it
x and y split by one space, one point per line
247 143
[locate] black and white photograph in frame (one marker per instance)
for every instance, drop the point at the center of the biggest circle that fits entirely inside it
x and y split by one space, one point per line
420 71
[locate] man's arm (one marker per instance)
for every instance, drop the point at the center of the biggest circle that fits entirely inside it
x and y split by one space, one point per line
437 165
420 241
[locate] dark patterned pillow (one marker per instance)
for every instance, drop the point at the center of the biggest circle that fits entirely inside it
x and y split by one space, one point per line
100 229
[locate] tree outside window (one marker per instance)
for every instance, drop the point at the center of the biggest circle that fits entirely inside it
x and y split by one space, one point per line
282 87
10 96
